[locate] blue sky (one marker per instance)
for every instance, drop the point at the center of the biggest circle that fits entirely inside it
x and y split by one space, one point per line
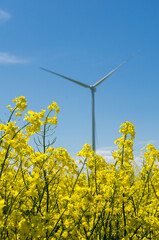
84 40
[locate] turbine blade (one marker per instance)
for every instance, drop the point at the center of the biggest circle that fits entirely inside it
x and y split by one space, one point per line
72 80
101 80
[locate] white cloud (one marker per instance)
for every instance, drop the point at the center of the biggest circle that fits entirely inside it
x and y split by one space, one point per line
145 142
4 16
10 59
106 152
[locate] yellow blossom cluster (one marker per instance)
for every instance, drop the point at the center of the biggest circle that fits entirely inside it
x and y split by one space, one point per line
45 194
54 106
21 105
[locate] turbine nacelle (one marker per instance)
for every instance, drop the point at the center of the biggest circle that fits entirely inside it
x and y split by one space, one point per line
93 88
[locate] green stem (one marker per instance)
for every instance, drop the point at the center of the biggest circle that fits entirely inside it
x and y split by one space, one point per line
7 152
124 217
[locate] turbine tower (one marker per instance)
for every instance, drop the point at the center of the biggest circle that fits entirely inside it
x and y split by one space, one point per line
93 89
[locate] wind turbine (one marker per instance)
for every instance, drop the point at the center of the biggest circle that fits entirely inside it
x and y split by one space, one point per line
93 89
